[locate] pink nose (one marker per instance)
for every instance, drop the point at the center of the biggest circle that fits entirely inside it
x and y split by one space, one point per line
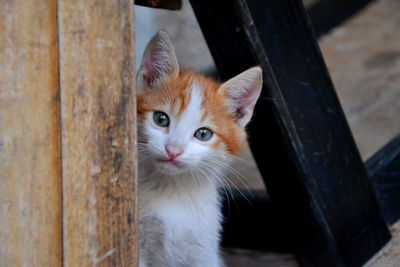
172 152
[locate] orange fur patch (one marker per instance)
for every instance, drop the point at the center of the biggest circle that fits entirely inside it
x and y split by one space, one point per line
176 92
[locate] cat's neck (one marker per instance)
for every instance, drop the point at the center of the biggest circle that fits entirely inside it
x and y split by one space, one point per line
180 183
159 191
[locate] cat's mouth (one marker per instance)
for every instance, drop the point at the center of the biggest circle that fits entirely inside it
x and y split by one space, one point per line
171 162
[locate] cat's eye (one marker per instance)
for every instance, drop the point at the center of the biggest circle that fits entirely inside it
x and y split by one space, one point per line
161 119
203 134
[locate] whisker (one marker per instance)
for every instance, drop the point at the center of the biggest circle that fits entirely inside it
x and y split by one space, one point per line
216 173
227 179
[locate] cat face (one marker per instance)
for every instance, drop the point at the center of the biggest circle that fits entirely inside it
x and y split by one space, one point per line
187 122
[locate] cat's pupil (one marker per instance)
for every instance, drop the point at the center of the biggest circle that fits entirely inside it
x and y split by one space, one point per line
161 119
203 134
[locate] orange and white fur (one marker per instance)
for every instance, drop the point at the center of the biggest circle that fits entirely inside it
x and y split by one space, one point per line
190 128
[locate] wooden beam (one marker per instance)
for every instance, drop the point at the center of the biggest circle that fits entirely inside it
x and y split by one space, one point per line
30 182
299 135
165 4
325 15
98 132
384 172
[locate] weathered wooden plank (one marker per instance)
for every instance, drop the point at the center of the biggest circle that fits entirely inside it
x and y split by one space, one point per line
299 135
325 15
384 172
30 183
98 132
165 4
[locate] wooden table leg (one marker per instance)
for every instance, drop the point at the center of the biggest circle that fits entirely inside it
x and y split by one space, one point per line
299 135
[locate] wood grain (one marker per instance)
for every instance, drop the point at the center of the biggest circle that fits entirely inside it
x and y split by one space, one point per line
98 132
30 184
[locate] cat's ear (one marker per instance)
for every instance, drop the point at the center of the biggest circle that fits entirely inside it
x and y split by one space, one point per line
159 61
243 92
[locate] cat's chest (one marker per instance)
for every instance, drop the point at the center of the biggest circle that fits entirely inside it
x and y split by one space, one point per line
185 224
182 214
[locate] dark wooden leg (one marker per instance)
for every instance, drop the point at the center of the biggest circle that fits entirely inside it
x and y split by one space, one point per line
327 14
299 135
165 4
384 172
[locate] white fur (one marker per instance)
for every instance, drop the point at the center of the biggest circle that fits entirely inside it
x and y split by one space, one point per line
183 205
179 207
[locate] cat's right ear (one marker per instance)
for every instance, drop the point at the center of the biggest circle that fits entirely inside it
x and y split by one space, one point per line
158 62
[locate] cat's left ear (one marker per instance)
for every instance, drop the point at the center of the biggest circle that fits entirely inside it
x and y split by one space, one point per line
158 62
243 92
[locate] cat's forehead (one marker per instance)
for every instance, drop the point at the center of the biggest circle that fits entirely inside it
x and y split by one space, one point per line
187 91
184 98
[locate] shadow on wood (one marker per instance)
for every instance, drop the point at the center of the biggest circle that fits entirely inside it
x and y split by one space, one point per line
253 222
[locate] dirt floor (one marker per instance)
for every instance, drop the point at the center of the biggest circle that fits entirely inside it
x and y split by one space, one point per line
363 57
389 256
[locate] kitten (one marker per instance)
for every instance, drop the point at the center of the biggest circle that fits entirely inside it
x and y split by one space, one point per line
190 127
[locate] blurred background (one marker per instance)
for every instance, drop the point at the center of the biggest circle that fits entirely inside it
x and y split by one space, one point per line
363 57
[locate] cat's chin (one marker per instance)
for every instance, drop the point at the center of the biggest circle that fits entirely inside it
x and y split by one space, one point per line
170 168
